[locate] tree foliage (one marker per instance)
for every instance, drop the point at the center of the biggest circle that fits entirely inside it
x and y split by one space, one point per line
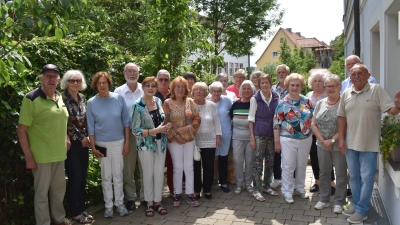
337 67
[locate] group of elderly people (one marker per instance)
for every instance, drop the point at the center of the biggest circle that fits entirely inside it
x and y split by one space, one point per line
258 119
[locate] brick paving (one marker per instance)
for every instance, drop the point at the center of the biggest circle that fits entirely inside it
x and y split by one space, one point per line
231 209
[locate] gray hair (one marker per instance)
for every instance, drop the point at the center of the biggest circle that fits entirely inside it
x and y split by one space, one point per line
282 65
334 77
69 74
256 73
247 82
217 85
162 71
314 74
240 71
220 76
132 64
201 85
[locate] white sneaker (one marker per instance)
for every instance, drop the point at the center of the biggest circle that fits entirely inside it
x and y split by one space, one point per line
289 199
238 190
302 194
249 188
275 183
321 205
337 209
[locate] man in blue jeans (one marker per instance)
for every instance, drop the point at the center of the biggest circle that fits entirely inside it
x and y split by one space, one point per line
359 125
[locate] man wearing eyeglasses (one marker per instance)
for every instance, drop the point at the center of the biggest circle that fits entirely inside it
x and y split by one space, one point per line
349 63
359 125
42 134
131 91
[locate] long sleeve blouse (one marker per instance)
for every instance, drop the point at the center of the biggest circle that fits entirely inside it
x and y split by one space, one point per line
293 118
210 126
77 123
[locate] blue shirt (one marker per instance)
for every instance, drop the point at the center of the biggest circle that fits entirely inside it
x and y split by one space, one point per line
347 83
224 107
107 117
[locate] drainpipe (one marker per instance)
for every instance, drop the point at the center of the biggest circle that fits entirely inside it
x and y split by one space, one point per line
356 9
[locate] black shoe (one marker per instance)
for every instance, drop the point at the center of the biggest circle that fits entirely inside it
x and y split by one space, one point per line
130 205
197 196
349 195
314 188
143 203
225 189
208 196
333 190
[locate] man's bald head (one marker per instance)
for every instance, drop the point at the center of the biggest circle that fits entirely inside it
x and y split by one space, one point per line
351 61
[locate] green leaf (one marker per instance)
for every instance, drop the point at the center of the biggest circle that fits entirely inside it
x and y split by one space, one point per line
4 71
65 3
9 21
58 33
20 67
29 22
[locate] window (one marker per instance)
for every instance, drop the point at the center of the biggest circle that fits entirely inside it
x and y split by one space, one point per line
274 54
241 66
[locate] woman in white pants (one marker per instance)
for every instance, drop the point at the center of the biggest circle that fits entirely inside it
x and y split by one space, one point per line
182 112
292 136
149 129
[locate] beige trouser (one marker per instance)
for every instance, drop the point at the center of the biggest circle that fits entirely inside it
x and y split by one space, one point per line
49 181
129 172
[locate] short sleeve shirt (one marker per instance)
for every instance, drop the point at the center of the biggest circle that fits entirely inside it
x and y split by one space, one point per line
363 116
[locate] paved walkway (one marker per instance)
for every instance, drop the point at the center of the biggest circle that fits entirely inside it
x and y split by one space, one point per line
228 208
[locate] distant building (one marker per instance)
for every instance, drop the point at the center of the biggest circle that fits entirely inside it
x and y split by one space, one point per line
320 49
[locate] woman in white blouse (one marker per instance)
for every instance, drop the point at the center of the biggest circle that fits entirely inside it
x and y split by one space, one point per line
208 138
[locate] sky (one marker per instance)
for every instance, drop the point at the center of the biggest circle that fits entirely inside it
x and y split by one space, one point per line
321 19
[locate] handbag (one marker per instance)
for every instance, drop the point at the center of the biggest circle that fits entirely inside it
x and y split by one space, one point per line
196 153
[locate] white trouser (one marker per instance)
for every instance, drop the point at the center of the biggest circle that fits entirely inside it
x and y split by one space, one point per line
111 171
243 153
153 173
182 159
294 158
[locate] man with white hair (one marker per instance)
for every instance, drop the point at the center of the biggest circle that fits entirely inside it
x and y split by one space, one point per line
131 91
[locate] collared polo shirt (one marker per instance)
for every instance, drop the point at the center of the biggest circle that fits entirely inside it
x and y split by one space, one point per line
363 116
129 96
46 120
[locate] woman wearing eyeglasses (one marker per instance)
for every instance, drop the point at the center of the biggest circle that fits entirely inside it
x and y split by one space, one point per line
182 113
292 136
149 129
76 164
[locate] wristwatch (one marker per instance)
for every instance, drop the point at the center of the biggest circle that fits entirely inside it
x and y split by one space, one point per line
333 140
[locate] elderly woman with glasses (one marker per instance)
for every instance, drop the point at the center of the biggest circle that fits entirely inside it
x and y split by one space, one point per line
242 151
238 77
76 164
223 78
182 113
109 129
223 105
292 136
325 127
207 139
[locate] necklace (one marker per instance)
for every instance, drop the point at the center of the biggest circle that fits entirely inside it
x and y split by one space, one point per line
327 101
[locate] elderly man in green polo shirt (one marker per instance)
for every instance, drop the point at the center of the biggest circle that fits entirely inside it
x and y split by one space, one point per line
359 125
42 134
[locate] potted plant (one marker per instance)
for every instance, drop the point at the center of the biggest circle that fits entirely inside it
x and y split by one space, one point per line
390 138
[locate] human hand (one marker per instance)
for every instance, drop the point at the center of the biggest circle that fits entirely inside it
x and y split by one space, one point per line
342 146
252 143
328 144
218 141
85 142
97 153
126 149
30 164
278 147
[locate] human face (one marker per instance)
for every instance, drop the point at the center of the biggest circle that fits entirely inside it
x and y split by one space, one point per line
74 83
265 85
359 76
163 82
150 88
254 79
247 92
317 83
224 82
190 83
295 87
239 78
131 73
350 62
198 93
282 74
332 88
180 90
102 85
49 80
216 94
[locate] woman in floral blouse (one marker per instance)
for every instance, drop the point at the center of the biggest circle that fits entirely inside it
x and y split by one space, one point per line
149 129
292 136
76 164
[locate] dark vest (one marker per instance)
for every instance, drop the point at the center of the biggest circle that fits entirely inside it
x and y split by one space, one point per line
263 125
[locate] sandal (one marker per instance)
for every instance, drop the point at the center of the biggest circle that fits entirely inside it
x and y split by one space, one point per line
258 196
90 217
161 210
83 220
270 192
149 211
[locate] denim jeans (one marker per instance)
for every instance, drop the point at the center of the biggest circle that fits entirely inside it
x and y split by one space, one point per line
362 168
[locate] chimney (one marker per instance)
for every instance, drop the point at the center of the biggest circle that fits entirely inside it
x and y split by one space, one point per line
289 29
298 33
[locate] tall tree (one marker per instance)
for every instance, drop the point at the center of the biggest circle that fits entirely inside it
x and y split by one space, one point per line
235 22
